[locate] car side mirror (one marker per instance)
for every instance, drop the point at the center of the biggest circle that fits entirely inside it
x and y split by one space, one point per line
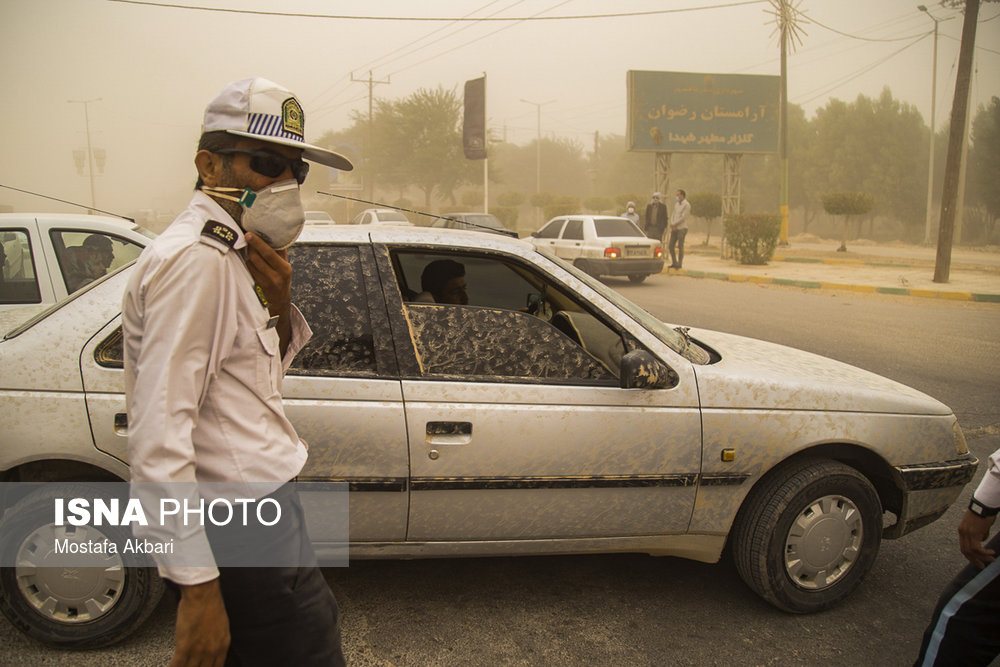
534 234
641 370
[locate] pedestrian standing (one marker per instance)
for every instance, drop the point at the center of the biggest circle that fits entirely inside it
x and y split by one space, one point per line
679 229
656 218
965 627
209 330
631 214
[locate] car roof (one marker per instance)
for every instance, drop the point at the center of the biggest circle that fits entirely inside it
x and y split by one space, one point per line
76 221
413 235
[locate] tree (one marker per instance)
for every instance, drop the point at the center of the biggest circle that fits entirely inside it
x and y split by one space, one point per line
847 204
706 205
984 165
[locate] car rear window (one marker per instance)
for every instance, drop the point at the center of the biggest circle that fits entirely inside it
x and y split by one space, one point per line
394 216
616 227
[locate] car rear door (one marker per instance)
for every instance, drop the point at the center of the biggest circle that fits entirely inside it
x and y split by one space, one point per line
518 432
570 244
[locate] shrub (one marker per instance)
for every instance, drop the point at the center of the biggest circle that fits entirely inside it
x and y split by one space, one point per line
510 198
542 199
507 215
847 204
564 205
473 198
598 204
753 236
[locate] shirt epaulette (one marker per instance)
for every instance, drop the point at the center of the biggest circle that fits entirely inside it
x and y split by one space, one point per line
219 235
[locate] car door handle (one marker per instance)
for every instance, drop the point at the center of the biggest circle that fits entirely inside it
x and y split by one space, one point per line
121 423
449 433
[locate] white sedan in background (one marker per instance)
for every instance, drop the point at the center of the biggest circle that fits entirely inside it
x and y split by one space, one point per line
601 245
380 216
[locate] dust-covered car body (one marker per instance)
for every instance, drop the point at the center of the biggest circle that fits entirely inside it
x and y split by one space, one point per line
550 415
601 245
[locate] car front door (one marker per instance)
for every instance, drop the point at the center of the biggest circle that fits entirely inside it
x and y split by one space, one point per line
518 429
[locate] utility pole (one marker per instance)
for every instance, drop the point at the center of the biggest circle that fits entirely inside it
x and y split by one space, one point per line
930 158
956 137
786 17
538 151
369 171
90 150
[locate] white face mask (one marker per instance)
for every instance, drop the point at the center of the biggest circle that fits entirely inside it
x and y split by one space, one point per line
274 213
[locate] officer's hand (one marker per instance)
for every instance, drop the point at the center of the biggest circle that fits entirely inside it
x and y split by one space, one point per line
202 633
972 532
271 270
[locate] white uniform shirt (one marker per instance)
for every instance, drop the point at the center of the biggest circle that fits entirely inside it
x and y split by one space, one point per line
203 369
988 491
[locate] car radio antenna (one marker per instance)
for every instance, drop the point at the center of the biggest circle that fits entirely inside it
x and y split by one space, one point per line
71 203
404 210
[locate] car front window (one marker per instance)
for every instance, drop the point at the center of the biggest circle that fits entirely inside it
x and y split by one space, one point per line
677 342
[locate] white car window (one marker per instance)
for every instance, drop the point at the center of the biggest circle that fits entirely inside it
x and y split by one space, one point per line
86 256
551 230
573 231
18 281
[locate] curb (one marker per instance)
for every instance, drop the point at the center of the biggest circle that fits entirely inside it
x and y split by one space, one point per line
815 284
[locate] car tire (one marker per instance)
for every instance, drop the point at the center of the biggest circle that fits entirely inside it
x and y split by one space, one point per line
807 536
586 267
78 608
637 277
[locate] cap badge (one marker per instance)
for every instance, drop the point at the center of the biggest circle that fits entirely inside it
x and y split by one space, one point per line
292 118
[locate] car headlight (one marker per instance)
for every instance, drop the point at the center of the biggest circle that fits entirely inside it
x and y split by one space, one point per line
961 446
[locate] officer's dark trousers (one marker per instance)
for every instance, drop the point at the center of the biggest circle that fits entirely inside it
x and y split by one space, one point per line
965 628
280 615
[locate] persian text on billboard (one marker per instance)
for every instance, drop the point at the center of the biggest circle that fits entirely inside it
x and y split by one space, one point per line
703 113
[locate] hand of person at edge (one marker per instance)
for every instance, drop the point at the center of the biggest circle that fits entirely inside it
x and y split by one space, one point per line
202 633
271 270
972 532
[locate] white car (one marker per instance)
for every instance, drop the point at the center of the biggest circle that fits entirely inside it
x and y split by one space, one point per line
380 216
476 222
601 245
549 415
47 256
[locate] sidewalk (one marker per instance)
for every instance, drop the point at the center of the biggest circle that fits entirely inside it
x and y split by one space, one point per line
808 262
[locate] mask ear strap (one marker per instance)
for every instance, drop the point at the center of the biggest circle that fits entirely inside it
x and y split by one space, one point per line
246 198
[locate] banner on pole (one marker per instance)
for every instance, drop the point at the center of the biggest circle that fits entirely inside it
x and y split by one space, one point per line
474 124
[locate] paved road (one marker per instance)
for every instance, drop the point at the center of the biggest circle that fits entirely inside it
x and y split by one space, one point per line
638 610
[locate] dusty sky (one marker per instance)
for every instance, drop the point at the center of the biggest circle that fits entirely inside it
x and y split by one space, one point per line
154 68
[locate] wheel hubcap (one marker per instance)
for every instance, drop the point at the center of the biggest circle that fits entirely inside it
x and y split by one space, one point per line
823 542
64 594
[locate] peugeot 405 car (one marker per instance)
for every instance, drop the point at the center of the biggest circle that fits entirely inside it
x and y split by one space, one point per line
550 415
601 245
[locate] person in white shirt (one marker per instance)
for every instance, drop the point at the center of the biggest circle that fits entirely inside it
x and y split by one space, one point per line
209 330
678 230
965 627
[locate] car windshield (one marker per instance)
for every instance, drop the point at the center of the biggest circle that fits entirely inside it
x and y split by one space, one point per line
674 339
616 227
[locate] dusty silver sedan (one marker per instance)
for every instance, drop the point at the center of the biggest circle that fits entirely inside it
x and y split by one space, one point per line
548 416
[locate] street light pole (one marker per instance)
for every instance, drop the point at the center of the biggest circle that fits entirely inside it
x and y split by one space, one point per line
538 145
930 158
90 151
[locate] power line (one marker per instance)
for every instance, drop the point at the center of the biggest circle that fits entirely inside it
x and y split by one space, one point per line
346 17
865 39
850 77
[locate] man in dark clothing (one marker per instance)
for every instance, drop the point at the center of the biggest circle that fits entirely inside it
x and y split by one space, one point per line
656 218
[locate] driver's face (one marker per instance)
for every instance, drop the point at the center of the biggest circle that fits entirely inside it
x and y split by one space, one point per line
453 292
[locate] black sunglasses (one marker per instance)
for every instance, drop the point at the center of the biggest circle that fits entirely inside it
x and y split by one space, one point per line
270 164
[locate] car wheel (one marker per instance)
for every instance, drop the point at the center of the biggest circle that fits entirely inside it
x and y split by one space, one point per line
806 538
78 608
586 267
637 277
